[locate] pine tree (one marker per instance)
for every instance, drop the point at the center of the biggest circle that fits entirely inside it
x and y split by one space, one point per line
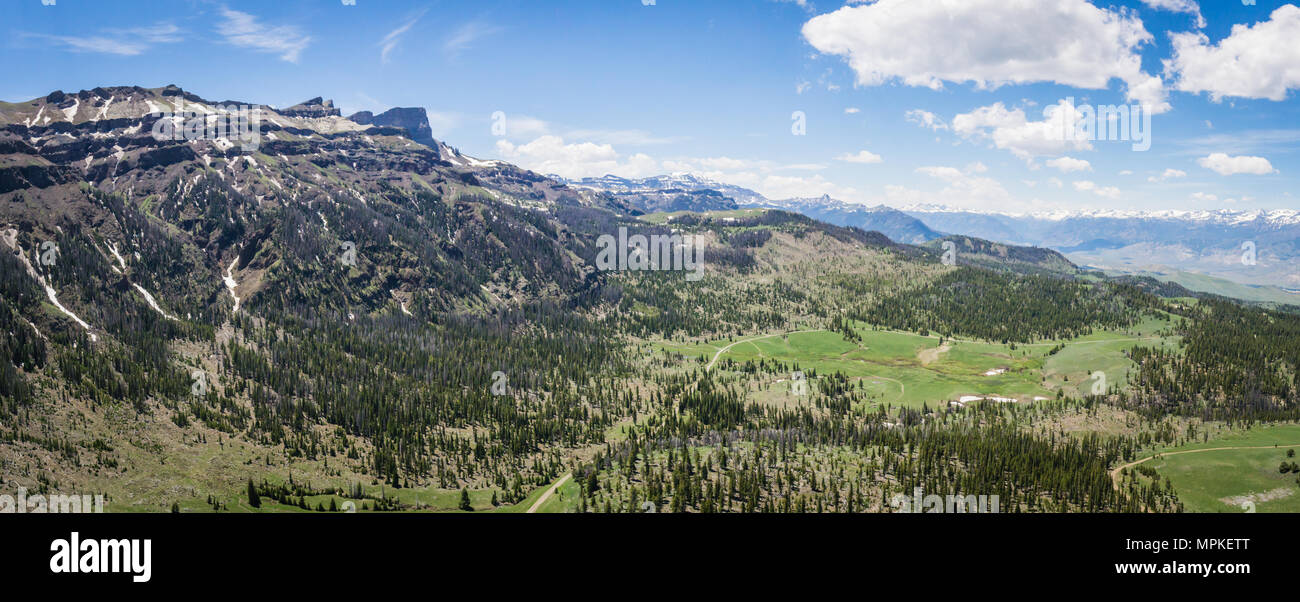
253 499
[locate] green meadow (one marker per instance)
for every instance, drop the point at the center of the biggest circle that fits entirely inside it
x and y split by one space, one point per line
1221 480
911 369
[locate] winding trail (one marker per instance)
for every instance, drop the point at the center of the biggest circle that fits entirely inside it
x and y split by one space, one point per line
902 387
1115 474
779 334
547 495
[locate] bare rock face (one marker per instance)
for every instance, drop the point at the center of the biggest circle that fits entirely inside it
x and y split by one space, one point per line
412 119
313 109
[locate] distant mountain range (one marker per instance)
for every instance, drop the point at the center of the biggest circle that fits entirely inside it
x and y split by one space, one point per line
1252 248
686 192
893 223
1248 247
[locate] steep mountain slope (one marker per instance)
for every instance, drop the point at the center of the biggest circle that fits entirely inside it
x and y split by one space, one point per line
313 272
983 253
317 308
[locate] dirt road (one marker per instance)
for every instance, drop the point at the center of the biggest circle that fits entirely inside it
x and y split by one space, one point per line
547 495
1114 474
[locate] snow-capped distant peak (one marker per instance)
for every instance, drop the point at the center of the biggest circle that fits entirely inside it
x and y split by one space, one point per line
1216 216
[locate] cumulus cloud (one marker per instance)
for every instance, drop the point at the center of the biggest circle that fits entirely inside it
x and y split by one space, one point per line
1069 164
1010 129
1109 192
1259 61
1168 174
1178 6
1001 42
925 119
864 156
552 155
1226 165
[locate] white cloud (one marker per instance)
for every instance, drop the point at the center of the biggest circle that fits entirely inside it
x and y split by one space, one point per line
852 111
723 163
1259 61
1226 165
1168 174
1069 164
764 177
863 157
390 41
964 188
775 186
466 35
925 119
1178 6
941 172
1010 129
1001 42
551 155
243 30
122 42
1109 192
1202 196
804 4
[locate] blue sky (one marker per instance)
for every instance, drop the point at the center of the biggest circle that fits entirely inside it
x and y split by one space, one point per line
905 101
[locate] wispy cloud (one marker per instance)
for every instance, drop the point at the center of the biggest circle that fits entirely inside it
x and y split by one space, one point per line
244 30
122 42
390 41
464 37
1279 141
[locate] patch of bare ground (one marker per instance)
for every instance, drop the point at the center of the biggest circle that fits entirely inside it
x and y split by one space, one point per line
930 356
1258 498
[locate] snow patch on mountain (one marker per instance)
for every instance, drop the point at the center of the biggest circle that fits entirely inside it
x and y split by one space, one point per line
152 303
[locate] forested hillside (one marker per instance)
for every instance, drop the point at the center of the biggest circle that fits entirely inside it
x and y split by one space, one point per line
346 312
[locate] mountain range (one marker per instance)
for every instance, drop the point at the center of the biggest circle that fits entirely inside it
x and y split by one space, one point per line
1248 254
320 308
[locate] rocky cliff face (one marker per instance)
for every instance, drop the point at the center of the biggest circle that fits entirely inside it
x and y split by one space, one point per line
313 109
412 119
